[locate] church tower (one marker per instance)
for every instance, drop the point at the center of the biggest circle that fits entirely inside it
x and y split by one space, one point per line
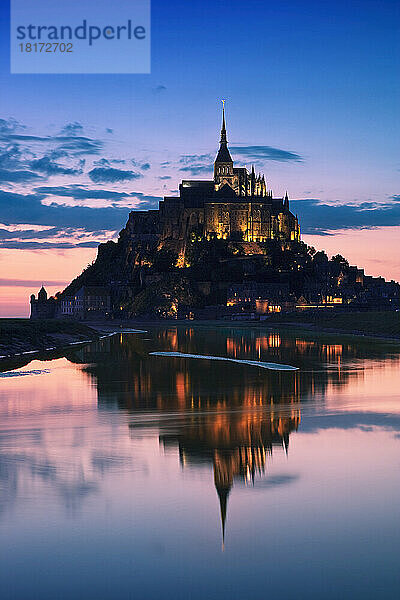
42 295
223 165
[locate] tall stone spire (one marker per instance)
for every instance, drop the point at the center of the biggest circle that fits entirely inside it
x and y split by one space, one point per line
223 155
223 128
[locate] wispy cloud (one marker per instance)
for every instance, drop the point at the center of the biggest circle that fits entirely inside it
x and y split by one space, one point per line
77 214
189 159
28 208
39 212
74 129
320 218
70 140
196 164
112 175
196 169
51 237
35 221
47 245
8 126
108 162
81 193
73 145
8 176
143 166
31 283
266 153
47 166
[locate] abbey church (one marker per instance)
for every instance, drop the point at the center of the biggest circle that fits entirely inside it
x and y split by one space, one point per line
236 204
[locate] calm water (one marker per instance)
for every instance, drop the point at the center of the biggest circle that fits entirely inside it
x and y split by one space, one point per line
127 475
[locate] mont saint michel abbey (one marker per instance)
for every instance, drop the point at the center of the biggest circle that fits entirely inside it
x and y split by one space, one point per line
235 204
165 263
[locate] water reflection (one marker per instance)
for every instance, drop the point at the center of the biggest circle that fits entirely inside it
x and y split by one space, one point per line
229 417
136 466
46 444
66 471
125 373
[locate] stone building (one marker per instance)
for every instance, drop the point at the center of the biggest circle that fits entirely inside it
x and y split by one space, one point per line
42 307
236 204
89 302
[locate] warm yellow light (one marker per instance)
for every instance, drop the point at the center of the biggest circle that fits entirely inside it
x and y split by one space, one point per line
180 263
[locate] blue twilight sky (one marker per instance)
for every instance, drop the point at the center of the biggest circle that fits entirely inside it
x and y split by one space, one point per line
312 93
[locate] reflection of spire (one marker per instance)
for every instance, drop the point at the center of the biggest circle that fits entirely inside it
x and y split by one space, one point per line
223 484
223 493
238 444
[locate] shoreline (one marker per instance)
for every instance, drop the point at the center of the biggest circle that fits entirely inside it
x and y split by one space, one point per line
23 340
303 328
19 351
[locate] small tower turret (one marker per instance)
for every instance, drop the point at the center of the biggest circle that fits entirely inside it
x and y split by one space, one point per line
252 181
286 202
42 295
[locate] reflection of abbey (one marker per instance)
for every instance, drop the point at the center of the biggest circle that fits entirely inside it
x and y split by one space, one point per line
224 417
235 204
